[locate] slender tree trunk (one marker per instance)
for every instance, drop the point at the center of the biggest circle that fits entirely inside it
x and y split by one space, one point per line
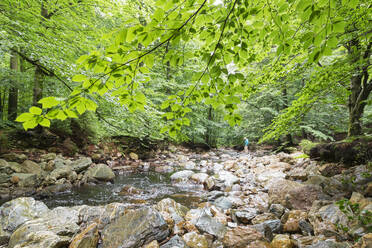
285 105
38 86
13 91
1 105
360 86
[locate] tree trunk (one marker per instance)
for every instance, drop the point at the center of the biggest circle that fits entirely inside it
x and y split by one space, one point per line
38 86
360 86
13 91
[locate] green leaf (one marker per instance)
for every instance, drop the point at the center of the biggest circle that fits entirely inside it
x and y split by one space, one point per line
79 78
45 123
24 117
35 110
48 102
29 124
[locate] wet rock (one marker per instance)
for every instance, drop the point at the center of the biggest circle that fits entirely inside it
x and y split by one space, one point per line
244 216
130 190
175 241
133 156
297 174
182 176
171 211
277 209
241 237
275 226
25 179
16 212
210 183
4 178
368 190
81 164
100 172
3 163
207 224
53 229
135 228
153 244
199 177
291 220
282 241
88 238
195 240
54 189
265 230
164 169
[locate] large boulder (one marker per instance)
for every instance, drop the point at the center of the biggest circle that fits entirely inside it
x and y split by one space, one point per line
88 238
294 195
25 179
325 218
81 164
171 211
207 224
29 166
54 229
100 172
195 240
175 241
135 228
16 212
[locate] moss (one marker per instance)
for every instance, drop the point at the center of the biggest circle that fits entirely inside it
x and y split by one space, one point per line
307 145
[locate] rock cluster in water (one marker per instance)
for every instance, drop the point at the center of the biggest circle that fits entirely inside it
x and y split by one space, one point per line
277 201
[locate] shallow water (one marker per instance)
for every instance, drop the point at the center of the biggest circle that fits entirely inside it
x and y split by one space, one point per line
154 186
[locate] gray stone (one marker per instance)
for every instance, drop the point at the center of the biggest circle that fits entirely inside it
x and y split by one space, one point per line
4 178
48 156
81 164
265 230
328 244
277 210
223 202
175 242
15 157
29 166
26 179
100 172
16 212
207 224
244 216
306 228
181 176
54 229
135 228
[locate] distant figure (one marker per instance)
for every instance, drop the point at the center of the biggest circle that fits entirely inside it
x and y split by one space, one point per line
246 143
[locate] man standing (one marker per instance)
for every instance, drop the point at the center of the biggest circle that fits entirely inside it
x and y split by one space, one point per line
246 143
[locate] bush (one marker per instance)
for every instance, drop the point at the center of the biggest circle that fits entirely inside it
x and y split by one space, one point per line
306 145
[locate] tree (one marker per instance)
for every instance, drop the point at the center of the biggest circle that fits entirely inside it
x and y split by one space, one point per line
230 37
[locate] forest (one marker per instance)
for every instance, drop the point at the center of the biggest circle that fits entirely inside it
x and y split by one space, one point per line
109 98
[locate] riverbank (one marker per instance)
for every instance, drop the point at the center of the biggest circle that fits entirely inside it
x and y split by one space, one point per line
257 200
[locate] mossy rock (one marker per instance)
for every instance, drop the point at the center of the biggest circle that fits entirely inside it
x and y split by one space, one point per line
351 151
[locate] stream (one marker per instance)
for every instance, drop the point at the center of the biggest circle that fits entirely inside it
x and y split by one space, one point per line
153 187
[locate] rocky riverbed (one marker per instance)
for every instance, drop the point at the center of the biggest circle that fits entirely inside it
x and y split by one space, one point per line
282 200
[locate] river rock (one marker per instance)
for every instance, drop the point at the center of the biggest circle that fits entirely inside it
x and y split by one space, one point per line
294 195
29 166
207 224
153 244
25 179
48 156
244 216
325 218
263 217
195 240
88 238
14 157
53 229
170 208
16 212
175 241
135 228
199 177
81 164
3 163
241 237
328 244
182 176
291 220
226 177
277 209
282 241
223 202
100 172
